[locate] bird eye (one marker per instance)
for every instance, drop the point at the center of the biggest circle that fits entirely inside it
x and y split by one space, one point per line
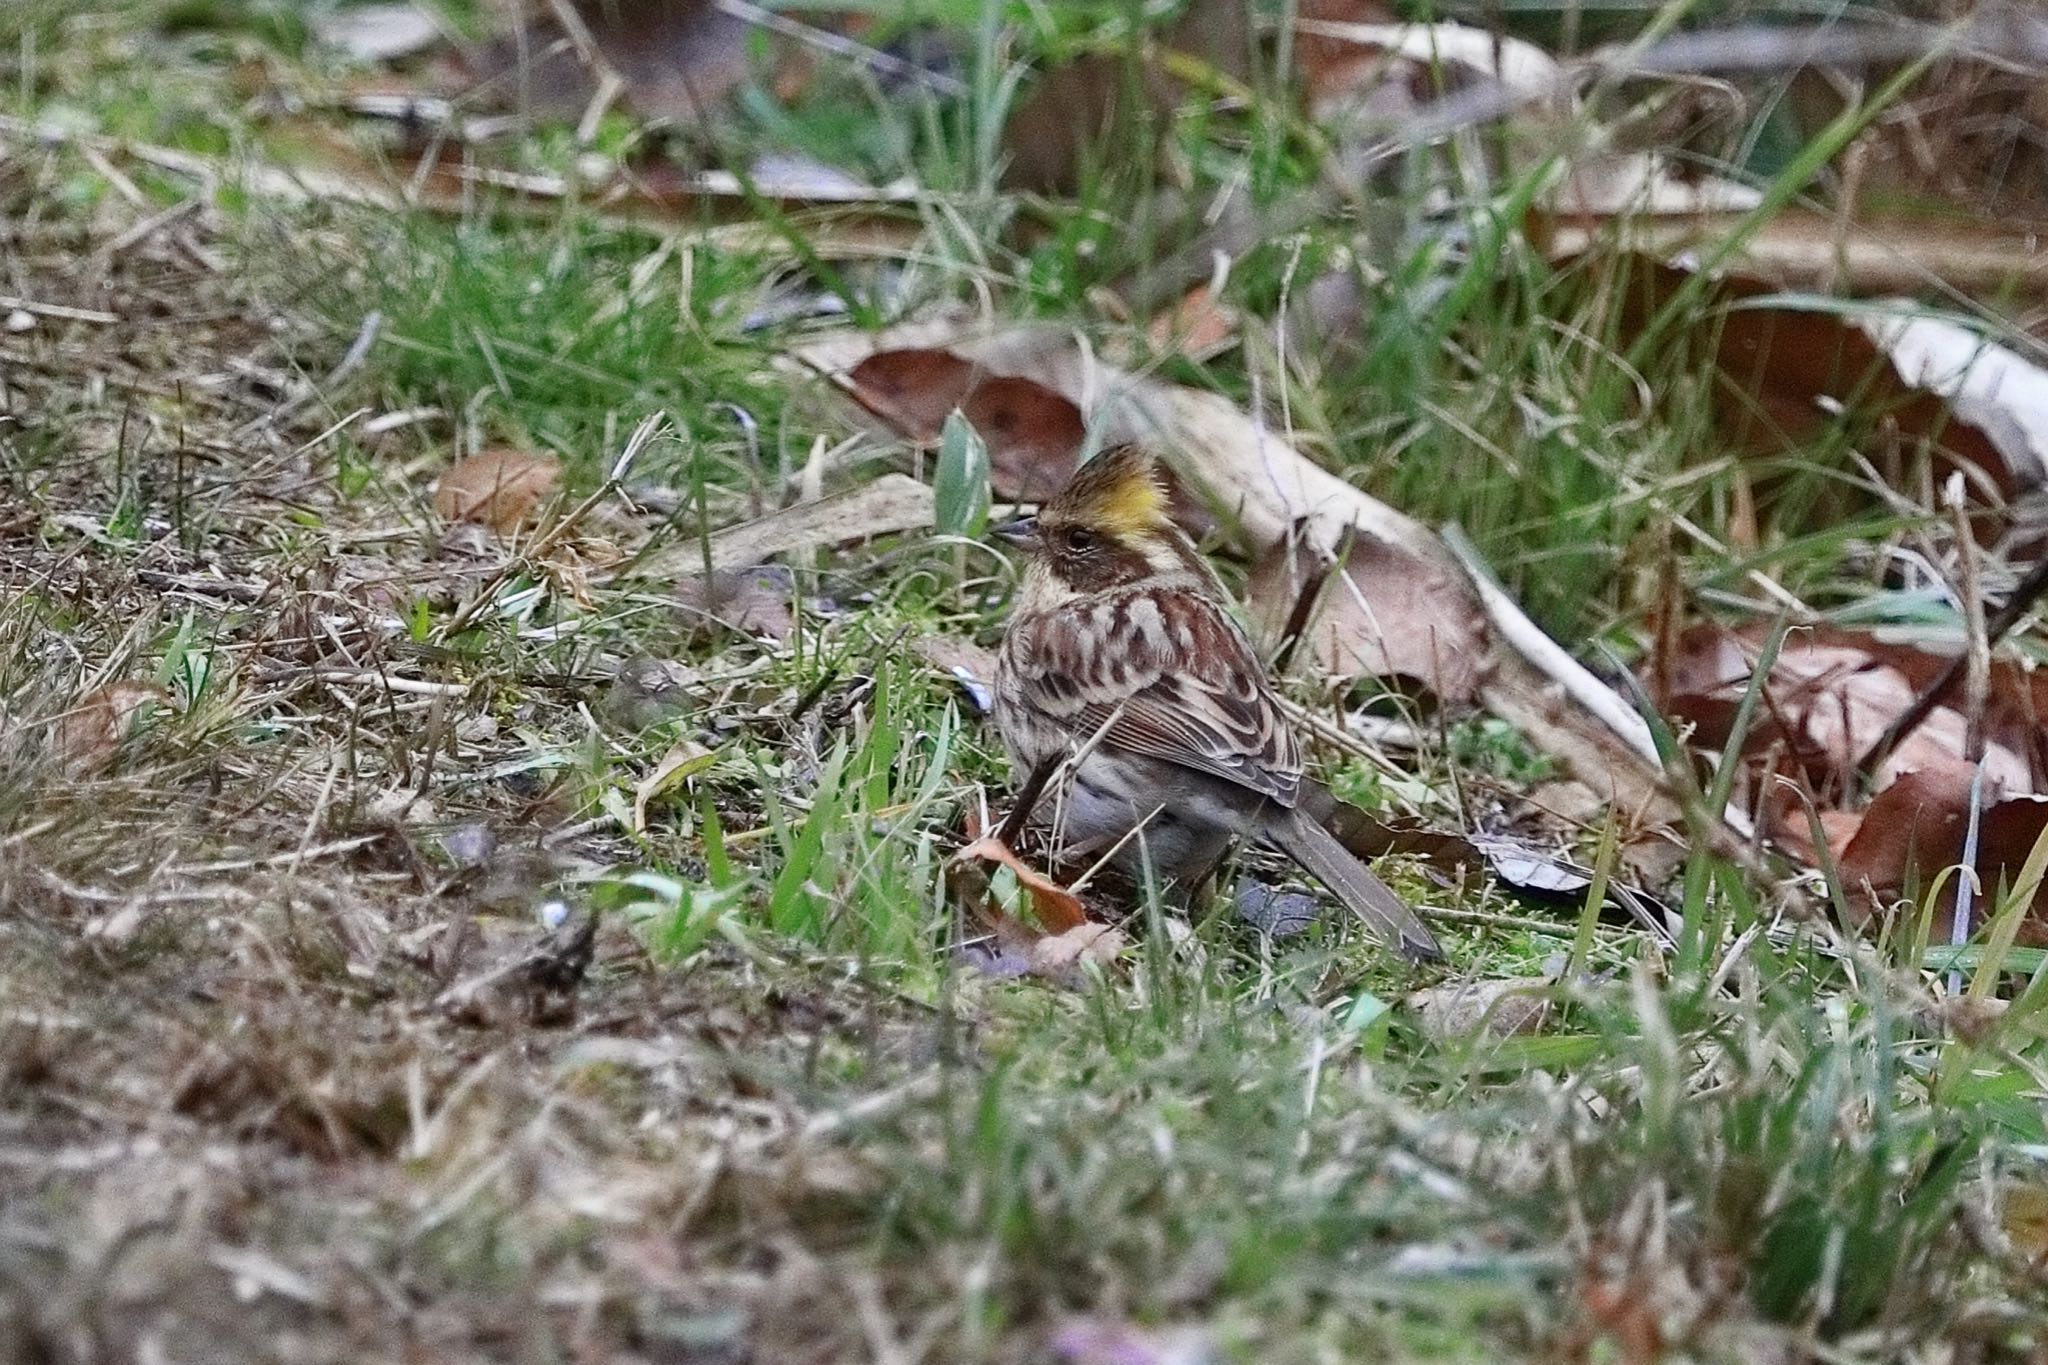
1078 539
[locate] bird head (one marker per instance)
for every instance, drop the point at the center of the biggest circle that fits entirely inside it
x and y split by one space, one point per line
1109 526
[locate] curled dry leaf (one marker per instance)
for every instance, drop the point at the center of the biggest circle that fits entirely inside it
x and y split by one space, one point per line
684 761
87 736
500 488
1057 908
1387 612
1033 435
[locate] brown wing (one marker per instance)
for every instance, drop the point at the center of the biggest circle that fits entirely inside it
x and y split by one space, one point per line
1162 672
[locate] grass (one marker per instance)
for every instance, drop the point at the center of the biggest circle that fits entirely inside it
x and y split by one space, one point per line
285 1047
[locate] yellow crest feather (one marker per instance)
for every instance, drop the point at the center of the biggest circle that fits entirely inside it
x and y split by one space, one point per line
1118 492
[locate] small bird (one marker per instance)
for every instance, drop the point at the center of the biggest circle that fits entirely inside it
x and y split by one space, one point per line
1122 663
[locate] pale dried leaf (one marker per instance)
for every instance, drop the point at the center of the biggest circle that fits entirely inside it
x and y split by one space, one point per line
1084 945
1388 613
87 736
685 760
500 488
1498 1009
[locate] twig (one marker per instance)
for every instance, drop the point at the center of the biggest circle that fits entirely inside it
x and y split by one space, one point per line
1310 597
61 311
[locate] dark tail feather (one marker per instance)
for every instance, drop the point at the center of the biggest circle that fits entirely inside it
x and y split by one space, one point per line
1298 836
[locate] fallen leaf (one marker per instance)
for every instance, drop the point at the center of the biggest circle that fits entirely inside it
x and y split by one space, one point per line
1197 327
1387 613
881 506
378 33
753 601
1106 112
913 389
675 60
1832 694
1084 945
89 733
1034 436
1057 908
499 488
87 736
1498 1009
1788 369
1424 57
685 760
1918 825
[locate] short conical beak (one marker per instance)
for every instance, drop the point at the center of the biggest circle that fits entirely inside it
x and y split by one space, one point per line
1023 532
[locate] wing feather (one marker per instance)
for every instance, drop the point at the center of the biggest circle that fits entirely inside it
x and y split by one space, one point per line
1162 672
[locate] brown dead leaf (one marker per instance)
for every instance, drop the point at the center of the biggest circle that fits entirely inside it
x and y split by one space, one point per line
1388 613
499 488
1832 694
1057 908
1197 327
1785 374
1106 112
676 59
913 389
1917 826
86 737
1033 435
1083 945
754 601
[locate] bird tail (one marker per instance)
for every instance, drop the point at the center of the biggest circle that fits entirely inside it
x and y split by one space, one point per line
1297 834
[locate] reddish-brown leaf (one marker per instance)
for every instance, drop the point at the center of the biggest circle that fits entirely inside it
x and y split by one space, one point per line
914 389
1057 908
1832 694
1786 374
1033 435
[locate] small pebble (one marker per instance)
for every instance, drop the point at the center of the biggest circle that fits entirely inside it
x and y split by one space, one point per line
21 320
